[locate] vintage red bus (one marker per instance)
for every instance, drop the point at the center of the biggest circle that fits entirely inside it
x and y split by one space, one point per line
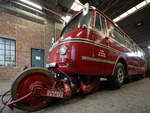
94 45
91 46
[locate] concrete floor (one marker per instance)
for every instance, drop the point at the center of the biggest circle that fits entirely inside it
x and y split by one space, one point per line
133 97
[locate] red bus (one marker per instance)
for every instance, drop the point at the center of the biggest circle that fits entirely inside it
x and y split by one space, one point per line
91 46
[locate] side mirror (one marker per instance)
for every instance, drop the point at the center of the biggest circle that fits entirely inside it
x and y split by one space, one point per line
85 9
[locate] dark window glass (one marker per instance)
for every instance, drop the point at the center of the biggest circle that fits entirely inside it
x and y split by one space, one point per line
135 49
7 52
72 25
100 23
128 44
132 46
97 22
103 22
118 36
142 54
86 20
79 20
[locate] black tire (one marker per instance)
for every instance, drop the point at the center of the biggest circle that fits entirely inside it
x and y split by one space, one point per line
117 80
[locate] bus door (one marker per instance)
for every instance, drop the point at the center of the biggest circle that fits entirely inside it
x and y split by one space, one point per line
101 51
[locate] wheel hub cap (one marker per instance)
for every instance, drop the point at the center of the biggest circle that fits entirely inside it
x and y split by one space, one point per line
120 75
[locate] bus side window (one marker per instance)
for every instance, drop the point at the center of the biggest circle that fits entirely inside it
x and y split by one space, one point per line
117 35
103 23
97 22
142 54
129 44
132 46
135 48
100 23
139 52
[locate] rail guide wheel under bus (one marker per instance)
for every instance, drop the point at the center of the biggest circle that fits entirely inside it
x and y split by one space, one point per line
34 89
25 83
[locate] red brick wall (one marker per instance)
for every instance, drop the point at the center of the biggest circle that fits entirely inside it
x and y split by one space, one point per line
27 34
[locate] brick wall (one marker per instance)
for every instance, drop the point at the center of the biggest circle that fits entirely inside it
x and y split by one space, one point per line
27 34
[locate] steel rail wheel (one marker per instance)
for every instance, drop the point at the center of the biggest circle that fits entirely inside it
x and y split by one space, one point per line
22 86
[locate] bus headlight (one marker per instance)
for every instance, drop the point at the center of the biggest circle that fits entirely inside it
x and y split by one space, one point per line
63 50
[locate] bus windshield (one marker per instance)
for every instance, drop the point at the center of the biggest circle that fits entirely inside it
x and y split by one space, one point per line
86 20
78 21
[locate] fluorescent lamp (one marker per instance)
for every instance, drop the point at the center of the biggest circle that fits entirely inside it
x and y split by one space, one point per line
63 18
131 10
148 47
32 4
142 4
76 6
124 15
66 19
27 6
116 19
148 1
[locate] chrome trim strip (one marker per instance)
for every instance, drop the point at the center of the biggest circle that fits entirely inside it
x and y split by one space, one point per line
132 66
70 38
97 60
87 42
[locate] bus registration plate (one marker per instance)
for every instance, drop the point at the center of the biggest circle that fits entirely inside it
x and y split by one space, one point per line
55 93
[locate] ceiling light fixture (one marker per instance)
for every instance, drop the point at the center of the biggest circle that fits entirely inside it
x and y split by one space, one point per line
124 15
139 24
140 5
66 19
21 4
132 10
148 1
76 6
32 4
116 19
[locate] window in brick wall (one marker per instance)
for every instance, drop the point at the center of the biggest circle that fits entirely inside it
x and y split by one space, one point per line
7 52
